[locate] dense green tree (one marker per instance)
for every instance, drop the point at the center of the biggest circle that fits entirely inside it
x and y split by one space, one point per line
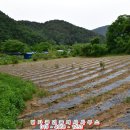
99 50
43 46
89 49
13 46
77 49
95 40
118 34
127 47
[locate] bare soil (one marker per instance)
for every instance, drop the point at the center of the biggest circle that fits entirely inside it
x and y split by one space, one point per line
42 69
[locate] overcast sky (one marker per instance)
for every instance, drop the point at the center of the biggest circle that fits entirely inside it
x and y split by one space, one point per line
84 13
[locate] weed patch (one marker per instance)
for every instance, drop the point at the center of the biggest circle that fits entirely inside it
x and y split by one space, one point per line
13 94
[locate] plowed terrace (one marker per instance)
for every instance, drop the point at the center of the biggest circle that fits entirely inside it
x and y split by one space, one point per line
78 89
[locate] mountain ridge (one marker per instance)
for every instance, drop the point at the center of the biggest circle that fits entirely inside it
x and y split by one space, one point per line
58 31
101 30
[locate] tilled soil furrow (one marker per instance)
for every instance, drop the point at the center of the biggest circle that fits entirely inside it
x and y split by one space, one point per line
77 100
49 71
31 67
66 72
31 70
74 75
78 89
67 75
59 73
60 69
75 83
11 70
75 90
94 110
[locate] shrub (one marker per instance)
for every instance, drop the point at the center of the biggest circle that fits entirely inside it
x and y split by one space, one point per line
15 61
46 57
77 49
5 62
57 66
80 67
35 59
72 66
9 59
102 65
39 56
13 46
89 49
99 50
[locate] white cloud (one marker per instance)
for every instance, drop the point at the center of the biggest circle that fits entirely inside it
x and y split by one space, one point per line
85 13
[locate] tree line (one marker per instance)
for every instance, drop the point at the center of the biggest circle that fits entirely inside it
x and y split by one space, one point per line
117 42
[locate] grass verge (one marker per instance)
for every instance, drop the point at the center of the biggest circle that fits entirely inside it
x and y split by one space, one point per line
13 94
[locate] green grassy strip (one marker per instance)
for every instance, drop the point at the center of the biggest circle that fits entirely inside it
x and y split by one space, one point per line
13 94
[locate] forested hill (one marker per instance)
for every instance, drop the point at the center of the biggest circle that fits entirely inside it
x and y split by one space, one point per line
58 31
101 30
11 29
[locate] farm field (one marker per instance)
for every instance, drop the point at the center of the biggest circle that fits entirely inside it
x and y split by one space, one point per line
78 88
